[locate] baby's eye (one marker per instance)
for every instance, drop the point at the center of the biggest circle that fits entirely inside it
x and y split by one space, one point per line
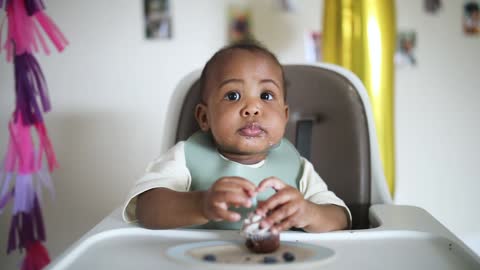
232 96
266 96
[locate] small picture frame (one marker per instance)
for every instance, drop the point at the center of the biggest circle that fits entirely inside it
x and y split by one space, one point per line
406 45
240 25
471 18
313 46
432 6
158 20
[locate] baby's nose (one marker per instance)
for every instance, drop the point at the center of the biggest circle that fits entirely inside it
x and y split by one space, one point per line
250 110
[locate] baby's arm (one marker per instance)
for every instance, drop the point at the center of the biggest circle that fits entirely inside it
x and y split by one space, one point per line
162 208
288 209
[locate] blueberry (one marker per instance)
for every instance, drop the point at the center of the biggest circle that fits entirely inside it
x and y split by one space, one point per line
209 258
269 259
288 257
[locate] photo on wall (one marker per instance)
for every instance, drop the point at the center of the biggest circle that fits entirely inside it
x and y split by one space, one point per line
288 5
158 20
432 6
406 44
313 46
240 26
471 17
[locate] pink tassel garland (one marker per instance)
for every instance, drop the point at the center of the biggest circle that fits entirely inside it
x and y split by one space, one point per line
23 173
23 30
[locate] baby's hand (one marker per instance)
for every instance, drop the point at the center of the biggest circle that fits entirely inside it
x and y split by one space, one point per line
225 192
286 207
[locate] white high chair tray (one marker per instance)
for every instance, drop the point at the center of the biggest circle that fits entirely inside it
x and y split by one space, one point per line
407 238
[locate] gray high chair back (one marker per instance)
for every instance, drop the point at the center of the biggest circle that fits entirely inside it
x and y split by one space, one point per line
330 124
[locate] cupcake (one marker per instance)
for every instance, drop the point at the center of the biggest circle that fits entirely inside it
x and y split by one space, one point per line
259 240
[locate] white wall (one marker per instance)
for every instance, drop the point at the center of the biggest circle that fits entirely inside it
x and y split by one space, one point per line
111 87
437 112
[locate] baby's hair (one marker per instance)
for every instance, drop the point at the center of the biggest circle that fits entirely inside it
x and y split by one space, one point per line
251 46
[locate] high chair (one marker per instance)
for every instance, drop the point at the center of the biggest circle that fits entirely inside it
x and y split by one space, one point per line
331 124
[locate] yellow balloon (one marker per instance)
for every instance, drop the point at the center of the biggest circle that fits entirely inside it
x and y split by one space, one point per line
360 35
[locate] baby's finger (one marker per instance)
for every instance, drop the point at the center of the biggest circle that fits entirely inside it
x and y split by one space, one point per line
283 212
243 183
232 198
223 214
273 202
284 225
229 186
272 182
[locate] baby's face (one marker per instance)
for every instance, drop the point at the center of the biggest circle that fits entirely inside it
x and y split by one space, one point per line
245 108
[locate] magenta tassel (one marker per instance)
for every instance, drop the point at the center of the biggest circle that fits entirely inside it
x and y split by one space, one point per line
52 31
26 31
46 146
36 257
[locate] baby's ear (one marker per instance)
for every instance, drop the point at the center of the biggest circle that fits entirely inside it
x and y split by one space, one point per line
287 113
201 116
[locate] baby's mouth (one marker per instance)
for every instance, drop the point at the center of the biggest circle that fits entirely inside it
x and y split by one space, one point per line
251 130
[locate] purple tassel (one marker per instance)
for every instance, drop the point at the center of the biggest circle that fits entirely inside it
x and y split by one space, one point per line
24 194
12 235
28 228
33 6
7 2
38 219
30 82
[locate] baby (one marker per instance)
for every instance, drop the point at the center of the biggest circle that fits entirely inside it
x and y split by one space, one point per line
215 177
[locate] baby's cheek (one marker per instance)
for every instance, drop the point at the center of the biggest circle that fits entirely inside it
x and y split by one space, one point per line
275 137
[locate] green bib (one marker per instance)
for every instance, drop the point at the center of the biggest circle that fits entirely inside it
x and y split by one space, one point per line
206 166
